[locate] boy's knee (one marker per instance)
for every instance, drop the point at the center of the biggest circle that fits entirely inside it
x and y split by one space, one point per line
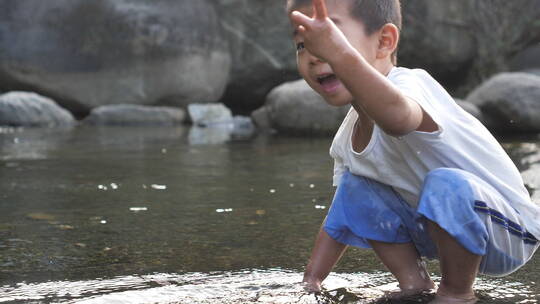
446 179
445 174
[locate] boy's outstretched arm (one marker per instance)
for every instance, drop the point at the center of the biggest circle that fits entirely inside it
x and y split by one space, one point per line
324 256
393 112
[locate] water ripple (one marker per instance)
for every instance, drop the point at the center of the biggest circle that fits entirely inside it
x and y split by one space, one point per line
255 286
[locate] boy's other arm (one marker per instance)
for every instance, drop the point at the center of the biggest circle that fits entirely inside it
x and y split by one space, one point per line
393 112
326 253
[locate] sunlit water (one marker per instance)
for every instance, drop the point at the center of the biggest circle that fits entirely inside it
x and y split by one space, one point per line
142 215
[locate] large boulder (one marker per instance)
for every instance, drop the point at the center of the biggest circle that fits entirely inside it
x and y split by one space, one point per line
263 53
528 59
25 109
91 53
135 115
442 36
456 41
435 36
509 102
294 108
470 108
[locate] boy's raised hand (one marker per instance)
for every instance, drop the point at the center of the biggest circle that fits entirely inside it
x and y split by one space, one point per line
321 37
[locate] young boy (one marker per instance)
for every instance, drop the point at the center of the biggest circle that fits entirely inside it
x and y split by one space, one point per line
416 175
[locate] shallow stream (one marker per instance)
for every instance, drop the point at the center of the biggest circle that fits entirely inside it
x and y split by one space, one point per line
149 215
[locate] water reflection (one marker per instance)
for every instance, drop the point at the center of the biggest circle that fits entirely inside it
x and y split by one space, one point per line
18 144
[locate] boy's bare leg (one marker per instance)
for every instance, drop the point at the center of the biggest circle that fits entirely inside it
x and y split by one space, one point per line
459 268
403 261
325 255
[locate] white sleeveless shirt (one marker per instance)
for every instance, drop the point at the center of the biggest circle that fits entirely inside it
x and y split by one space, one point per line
461 142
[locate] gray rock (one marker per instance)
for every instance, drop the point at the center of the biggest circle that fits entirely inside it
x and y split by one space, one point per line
30 109
509 102
436 35
135 115
528 59
294 108
470 108
91 53
262 49
261 118
177 52
441 36
445 37
210 114
532 71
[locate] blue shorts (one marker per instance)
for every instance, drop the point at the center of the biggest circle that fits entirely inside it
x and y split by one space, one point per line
469 209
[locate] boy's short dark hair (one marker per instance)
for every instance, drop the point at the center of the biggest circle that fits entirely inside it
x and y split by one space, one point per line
374 14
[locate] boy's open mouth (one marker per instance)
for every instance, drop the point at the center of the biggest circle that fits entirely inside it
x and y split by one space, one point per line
329 82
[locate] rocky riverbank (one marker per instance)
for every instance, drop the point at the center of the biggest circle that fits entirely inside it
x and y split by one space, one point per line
166 55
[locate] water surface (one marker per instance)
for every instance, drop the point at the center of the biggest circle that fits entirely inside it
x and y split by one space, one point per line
144 215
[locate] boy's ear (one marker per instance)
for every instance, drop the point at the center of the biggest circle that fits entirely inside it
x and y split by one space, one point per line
388 40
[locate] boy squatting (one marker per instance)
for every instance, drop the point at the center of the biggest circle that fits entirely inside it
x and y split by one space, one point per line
416 175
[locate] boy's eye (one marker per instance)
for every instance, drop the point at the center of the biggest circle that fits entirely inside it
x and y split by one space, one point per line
299 46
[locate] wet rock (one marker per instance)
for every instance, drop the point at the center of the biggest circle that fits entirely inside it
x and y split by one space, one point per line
294 108
91 53
135 115
30 109
509 102
470 108
209 114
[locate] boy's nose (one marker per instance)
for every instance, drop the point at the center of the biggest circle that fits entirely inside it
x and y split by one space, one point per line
313 60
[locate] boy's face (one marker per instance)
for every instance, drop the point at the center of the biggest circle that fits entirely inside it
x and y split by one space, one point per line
319 74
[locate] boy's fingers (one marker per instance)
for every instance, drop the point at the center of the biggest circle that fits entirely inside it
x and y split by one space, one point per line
300 19
319 9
